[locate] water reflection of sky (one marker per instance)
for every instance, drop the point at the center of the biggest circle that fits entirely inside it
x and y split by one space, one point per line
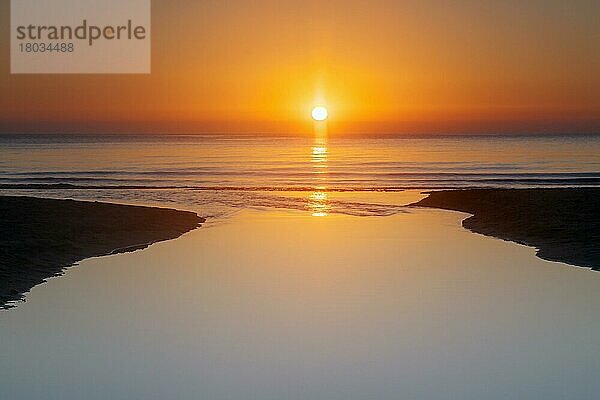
278 305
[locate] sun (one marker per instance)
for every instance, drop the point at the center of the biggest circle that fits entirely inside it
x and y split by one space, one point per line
319 113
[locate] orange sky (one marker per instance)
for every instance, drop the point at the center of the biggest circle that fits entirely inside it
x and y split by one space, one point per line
380 67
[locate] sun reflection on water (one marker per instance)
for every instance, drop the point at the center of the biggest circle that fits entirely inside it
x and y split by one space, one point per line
319 199
319 203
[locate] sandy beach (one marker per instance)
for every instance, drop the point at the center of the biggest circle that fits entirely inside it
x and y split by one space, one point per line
41 237
563 224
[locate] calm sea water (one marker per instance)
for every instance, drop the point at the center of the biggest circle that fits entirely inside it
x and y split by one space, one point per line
285 172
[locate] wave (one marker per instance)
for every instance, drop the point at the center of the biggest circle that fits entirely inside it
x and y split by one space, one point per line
353 186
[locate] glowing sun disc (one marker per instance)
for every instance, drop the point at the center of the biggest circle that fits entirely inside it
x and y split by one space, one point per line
319 113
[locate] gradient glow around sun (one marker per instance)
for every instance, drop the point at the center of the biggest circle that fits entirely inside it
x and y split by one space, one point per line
319 113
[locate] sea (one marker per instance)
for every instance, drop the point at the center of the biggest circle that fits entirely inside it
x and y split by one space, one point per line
225 172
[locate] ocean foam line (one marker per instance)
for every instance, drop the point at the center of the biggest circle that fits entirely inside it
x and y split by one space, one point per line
333 186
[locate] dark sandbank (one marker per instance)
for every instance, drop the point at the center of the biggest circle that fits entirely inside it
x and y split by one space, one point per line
563 224
39 238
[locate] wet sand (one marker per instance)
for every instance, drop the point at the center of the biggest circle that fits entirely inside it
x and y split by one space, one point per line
563 224
39 238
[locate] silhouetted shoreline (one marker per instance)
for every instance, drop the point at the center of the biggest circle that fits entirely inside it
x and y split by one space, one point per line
562 223
39 238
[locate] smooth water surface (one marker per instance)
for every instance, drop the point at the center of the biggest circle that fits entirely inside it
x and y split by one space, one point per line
284 305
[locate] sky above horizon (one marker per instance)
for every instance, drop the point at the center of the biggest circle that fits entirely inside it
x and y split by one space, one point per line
380 67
